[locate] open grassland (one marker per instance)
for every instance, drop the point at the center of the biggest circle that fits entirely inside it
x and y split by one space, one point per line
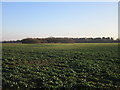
81 66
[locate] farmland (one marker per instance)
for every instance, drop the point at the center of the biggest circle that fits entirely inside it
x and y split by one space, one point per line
61 66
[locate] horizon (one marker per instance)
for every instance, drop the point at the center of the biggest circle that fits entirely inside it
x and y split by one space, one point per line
59 37
59 19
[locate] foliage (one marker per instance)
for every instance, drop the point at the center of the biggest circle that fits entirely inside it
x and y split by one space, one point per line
65 40
69 40
61 66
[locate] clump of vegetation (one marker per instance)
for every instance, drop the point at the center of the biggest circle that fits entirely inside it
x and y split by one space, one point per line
65 40
61 66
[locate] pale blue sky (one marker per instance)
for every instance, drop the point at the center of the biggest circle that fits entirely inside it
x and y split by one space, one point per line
60 19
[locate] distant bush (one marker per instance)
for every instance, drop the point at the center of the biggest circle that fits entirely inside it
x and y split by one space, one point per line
69 40
30 40
66 40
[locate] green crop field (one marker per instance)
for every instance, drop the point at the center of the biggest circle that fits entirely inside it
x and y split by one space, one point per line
70 66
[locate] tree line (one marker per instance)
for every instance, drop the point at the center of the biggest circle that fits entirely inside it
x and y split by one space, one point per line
65 40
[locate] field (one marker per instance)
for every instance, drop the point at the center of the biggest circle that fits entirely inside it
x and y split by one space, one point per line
72 66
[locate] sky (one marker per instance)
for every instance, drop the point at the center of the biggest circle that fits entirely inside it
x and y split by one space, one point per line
59 19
